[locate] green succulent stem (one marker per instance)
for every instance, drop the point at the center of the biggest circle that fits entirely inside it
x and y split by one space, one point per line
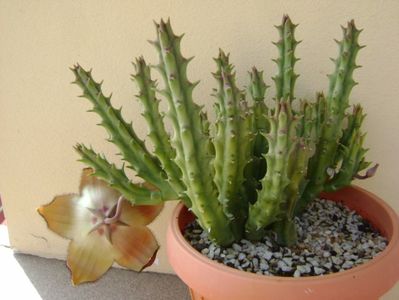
349 160
157 132
341 84
286 232
286 77
256 167
269 206
117 179
285 229
122 134
231 143
192 143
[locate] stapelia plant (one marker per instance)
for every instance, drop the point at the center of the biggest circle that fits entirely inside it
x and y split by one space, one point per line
256 167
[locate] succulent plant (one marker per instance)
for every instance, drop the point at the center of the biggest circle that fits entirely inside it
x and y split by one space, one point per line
258 165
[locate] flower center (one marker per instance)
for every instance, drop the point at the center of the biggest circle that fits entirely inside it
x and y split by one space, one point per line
115 217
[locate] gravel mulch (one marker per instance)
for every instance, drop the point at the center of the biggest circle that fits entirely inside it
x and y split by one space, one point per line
331 238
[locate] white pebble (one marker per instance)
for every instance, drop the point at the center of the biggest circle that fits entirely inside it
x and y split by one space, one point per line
255 263
241 256
347 264
303 269
205 251
297 273
283 267
236 247
328 265
326 254
336 260
314 262
267 255
287 261
264 266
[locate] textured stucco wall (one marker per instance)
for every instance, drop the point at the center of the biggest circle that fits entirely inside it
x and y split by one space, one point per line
42 118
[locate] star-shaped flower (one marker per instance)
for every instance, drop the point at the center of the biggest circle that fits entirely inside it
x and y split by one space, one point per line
103 228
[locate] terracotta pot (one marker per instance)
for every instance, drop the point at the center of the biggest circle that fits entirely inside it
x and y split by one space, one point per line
210 280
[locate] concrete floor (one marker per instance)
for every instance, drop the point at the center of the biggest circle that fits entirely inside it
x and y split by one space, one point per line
27 277
31 277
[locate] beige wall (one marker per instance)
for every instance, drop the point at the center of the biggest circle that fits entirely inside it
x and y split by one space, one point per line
42 118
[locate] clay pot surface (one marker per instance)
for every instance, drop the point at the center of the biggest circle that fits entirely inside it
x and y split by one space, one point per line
210 280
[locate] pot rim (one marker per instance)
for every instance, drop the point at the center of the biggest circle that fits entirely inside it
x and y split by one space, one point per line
393 245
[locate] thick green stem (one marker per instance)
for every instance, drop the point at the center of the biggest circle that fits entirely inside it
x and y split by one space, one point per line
158 135
271 201
256 167
354 123
286 77
341 84
231 145
350 156
286 232
297 171
117 178
122 134
192 143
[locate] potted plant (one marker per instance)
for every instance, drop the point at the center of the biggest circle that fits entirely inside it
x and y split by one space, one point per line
248 177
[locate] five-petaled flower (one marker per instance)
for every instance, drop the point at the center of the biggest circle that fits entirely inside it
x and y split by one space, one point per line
103 227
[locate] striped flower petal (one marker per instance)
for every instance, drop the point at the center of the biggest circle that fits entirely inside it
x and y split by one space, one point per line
97 194
67 218
134 246
139 214
90 257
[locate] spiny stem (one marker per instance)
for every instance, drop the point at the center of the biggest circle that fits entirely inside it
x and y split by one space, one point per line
192 143
158 135
232 145
341 84
122 134
286 77
117 178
